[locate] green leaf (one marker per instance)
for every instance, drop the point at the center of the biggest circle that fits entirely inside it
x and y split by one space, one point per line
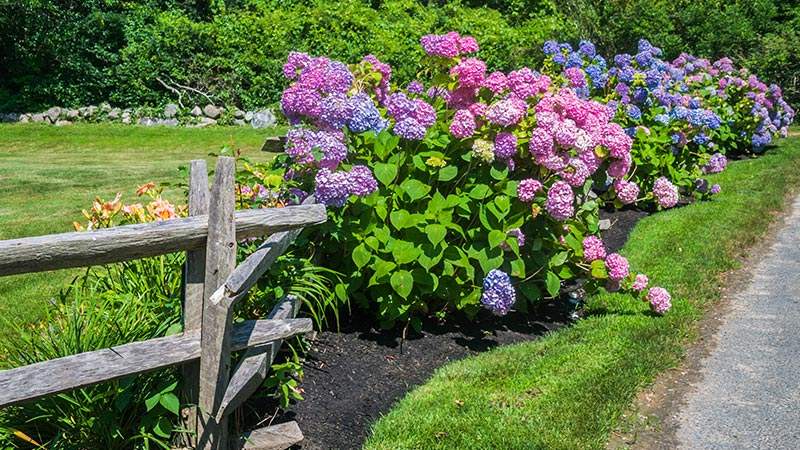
361 255
503 204
171 403
151 402
530 291
558 259
447 173
414 188
400 219
553 284
599 269
404 251
435 233
163 427
480 191
385 173
496 237
518 268
402 282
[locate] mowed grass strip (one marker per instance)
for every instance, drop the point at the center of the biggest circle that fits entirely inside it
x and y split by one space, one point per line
569 389
48 174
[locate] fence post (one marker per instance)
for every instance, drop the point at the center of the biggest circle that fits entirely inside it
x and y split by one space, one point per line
217 321
194 278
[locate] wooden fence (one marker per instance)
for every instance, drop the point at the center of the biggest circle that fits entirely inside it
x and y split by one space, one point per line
213 285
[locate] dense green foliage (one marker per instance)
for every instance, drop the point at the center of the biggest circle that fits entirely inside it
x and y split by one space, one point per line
70 53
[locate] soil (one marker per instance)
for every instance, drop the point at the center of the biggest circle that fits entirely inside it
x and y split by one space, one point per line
354 376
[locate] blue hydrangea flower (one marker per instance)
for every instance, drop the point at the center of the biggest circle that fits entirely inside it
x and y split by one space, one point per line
551 48
587 49
634 112
498 293
364 115
663 119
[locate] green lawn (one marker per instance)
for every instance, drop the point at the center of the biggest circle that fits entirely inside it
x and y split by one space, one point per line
48 174
569 389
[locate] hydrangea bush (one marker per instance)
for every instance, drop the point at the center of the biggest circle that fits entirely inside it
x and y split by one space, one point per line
466 174
683 115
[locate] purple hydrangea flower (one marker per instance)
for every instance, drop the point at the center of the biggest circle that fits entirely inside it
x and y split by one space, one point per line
463 125
716 164
505 146
527 189
627 191
715 189
410 129
361 181
498 293
332 188
506 112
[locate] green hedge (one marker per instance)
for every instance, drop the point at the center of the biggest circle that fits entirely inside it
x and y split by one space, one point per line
73 53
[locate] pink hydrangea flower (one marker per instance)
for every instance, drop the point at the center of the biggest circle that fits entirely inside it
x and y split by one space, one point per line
665 192
505 145
496 82
593 248
627 191
527 189
640 282
463 124
660 300
617 266
507 112
470 72
560 201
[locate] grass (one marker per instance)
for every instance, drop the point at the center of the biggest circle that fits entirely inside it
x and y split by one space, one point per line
48 174
569 389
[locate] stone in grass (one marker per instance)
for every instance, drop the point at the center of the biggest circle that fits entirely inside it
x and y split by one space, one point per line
238 113
90 110
73 114
196 111
63 123
53 113
114 114
263 119
248 116
205 122
211 111
173 122
239 122
170 110
38 118
25 118
147 121
126 119
105 107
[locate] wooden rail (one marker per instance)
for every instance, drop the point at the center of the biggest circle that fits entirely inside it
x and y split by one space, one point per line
213 284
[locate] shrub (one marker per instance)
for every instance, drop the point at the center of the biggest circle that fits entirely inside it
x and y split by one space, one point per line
461 176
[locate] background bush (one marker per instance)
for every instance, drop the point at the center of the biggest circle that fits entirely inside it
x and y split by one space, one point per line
71 53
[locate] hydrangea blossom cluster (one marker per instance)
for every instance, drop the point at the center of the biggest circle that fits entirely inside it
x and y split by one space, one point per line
666 193
593 248
334 188
659 299
498 293
716 164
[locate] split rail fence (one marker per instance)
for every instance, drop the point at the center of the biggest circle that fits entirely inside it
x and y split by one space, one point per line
213 285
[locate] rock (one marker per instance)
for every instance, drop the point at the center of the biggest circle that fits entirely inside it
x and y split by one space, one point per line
204 122
63 123
25 118
604 224
196 111
126 119
211 111
82 110
173 122
239 122
73 114
238 113
248 116
147 121
53 113
170 110
90 110
114 114
263 119
105 107
38 118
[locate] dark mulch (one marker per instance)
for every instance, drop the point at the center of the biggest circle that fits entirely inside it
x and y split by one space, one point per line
354 376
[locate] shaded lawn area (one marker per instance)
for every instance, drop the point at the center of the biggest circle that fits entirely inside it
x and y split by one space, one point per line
48 174
569 389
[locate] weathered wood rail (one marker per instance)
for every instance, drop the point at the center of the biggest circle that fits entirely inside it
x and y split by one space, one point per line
213 285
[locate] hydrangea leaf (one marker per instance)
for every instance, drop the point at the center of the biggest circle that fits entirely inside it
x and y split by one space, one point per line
385 173
553 284
361 255
415 189
402 282
447 173
435 233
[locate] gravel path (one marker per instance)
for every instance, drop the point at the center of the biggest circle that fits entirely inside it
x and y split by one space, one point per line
749 393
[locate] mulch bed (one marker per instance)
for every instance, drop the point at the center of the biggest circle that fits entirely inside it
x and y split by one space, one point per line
354 376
